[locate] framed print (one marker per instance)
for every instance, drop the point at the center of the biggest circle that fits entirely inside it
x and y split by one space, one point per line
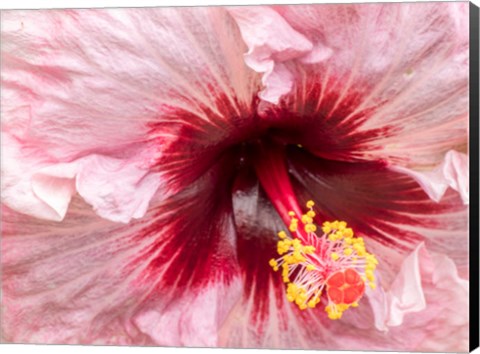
261 176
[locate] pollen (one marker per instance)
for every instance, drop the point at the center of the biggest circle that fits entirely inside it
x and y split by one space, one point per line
330 269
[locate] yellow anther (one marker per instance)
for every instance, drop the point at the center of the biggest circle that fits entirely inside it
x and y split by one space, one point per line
275 269
283 245
273 263
373 286
309 249
305 271
310 204
371 258
370 266
342 307
360 249
306 219
334 315
298 257
292 287
326 227
348 232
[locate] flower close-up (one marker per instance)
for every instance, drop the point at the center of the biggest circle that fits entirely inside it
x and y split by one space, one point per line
251 177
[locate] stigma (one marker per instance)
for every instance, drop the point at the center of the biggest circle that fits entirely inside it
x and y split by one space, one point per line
329 266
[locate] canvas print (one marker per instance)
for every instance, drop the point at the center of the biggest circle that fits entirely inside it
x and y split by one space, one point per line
249 177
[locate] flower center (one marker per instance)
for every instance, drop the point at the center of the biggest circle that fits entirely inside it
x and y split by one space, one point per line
332 265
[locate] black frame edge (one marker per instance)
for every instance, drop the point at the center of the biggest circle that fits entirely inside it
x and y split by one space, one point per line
474 177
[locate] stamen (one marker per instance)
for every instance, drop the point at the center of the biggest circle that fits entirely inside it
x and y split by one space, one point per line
334 267
335 264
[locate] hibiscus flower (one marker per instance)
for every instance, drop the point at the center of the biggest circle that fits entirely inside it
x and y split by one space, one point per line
158 163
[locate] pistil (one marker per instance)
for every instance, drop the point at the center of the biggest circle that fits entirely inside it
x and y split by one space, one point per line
271 169
330 268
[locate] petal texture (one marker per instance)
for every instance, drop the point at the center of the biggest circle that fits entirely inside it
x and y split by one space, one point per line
453 173
271 41
385 81
429 298
117 189
18 167
169 279
98 88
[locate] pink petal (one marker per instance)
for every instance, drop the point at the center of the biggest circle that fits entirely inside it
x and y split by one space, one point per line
117 189
406 293
271 41
95 86
198 316
390 82
431 300
87 280
45 198
453 173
